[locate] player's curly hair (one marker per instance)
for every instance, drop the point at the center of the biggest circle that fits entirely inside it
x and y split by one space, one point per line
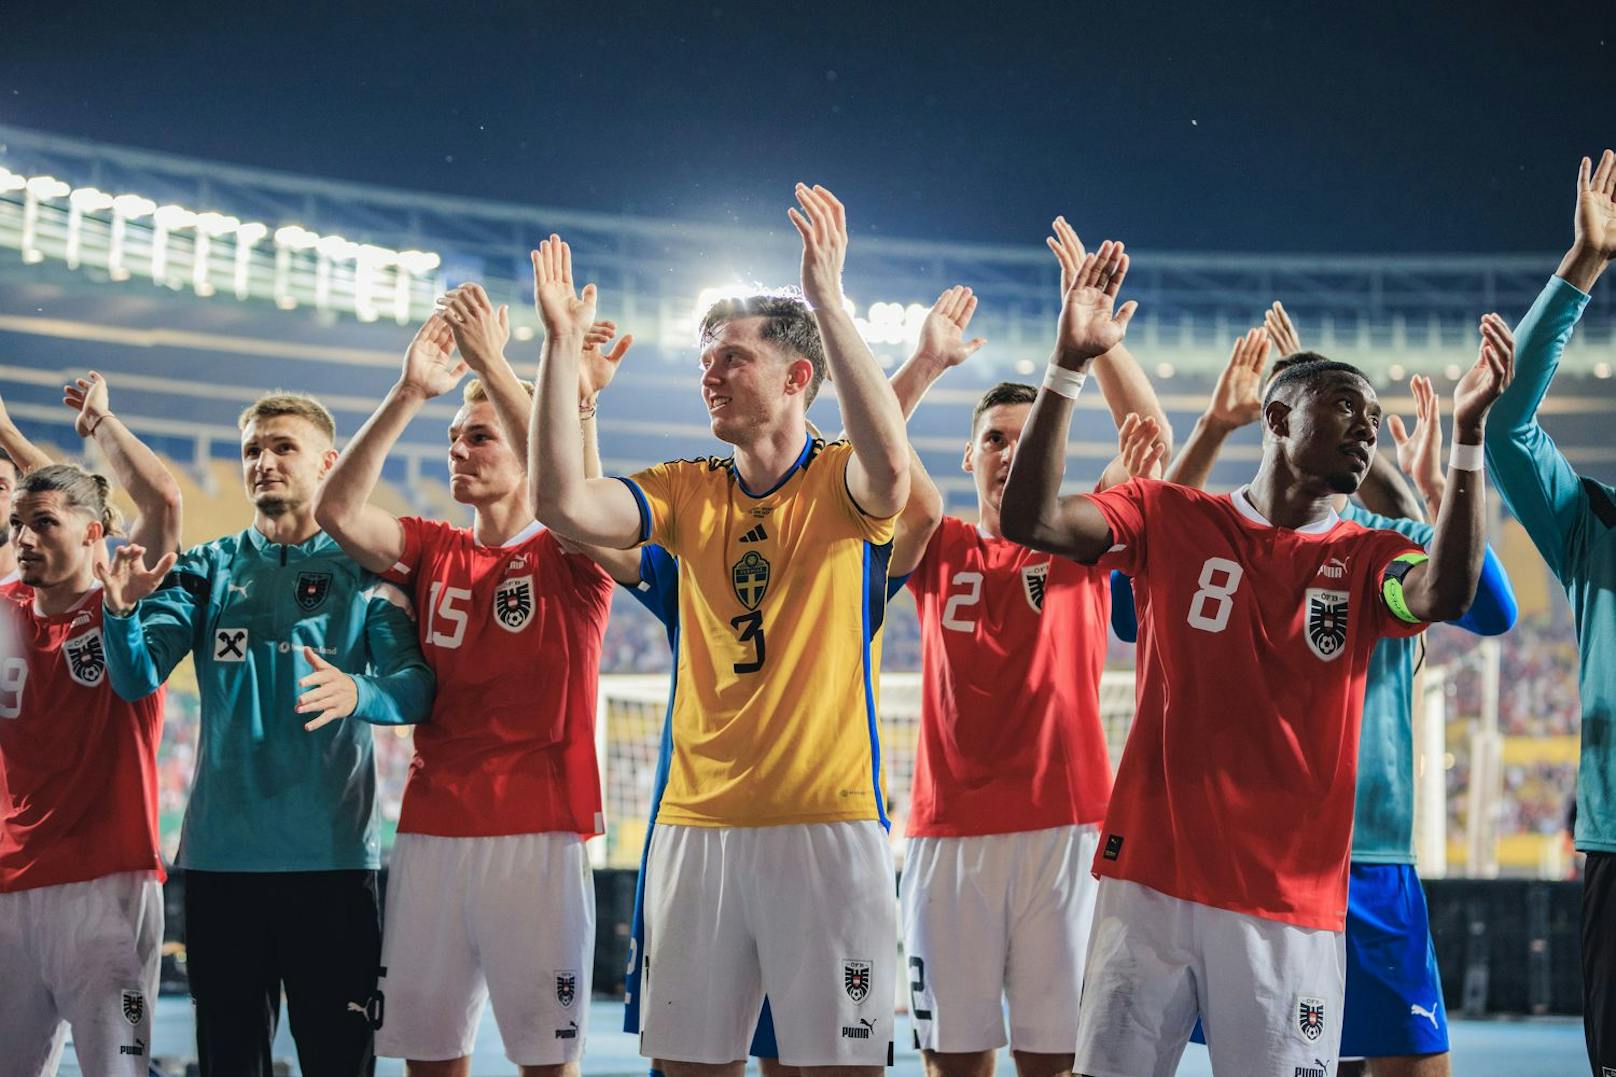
82 490
788 321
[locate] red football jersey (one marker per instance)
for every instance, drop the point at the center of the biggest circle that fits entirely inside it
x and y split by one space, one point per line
514 635
1012 645
1236 787
78 765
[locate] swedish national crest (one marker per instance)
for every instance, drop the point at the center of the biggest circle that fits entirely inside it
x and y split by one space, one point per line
1326 626
750 578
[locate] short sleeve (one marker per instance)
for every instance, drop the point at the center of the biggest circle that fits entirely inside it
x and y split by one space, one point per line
659 492
1385 548
404 569
877 529
1124 509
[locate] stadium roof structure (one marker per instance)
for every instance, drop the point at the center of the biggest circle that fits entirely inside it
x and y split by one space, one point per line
197 282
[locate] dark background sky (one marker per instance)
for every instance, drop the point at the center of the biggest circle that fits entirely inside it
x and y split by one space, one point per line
1228 127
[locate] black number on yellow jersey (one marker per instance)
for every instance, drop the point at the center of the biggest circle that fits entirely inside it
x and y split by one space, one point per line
750 627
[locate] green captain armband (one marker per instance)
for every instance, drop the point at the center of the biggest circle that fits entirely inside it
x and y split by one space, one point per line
1391 585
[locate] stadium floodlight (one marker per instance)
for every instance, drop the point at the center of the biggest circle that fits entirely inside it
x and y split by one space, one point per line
295 237
1451 371
208 225
1396 372
368 258
419 263
80 201
125 208
36 190
1601 370
10 181
165 220
1025 366
336 248
247 237
1164 370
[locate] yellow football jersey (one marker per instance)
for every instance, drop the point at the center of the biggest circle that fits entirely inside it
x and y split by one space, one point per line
781 600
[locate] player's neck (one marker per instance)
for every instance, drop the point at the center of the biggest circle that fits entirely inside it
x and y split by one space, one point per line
1289 501
289 528
58 598
764 461
8 560
497 522
987 520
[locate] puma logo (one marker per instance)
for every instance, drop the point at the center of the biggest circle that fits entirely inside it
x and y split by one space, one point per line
1416 1010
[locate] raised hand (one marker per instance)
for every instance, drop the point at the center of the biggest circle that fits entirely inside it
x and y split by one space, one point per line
430 365
1483 382
1237 396
1419 454
1068 250
1141 447
597 368
480 330
1090 324
942 334
88 397
330 691
127 580
823 227
1596 206
561 309
1281 330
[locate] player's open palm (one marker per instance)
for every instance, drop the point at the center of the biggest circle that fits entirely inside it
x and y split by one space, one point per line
1090 323
562 309
329 693
1277 322
942 334
1596 205
88 397
822 223
1068 250
430 364
1237 396
1419 452
126 579
599 364
1486 380
1140 446
480 330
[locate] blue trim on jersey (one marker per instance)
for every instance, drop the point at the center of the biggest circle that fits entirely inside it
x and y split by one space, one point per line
645 508
875 557
1394 990
1124 618
802 458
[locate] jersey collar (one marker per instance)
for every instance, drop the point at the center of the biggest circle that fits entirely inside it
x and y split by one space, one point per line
520 537
802 458
1243 505
320 542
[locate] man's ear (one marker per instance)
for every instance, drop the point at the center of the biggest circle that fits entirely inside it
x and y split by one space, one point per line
1277 418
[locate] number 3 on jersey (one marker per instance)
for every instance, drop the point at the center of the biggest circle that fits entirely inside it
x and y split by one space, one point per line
750 627
1210 608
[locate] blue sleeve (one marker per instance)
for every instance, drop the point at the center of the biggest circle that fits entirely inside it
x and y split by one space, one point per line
1533 477
895 584
398 685
144 647
658 590
1493 611
1124 619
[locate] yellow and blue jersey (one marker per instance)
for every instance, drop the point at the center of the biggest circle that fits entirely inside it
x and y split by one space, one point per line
781 601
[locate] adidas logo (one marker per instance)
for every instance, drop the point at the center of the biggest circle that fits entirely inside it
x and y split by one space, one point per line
757 534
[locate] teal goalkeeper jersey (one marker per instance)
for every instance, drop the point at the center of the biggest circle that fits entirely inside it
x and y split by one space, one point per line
269 795
1572 521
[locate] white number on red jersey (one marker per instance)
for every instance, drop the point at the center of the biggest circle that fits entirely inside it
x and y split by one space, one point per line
447 611
969 597
1210 608
13 675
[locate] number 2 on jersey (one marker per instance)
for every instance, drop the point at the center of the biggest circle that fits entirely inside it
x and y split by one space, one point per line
972 581
750 627
1210 608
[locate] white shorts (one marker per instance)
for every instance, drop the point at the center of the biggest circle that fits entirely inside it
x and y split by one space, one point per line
805 913
996 916
509 918
83 955
1269 994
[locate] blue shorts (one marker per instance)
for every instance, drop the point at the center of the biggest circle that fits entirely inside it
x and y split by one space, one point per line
1394 992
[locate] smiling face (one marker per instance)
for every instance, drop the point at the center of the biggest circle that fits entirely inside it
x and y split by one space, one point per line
750 385
483 465
1330 428
56 542
283 459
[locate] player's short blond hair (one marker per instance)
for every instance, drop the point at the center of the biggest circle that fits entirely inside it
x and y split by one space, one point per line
476 392
281 402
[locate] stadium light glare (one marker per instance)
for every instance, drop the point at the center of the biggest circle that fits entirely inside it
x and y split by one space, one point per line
295 237
10 181
420 263
1396 372
1601 370
523 333
165 219
46 188
131 206
125 208
1025 366
80 201
36 190
247 236
1451 371
1164 370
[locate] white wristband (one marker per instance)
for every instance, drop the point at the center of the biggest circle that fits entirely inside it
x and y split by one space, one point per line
1067 383
1465 458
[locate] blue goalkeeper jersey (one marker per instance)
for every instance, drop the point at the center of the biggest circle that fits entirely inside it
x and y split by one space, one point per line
269 795
1572 521
1383 819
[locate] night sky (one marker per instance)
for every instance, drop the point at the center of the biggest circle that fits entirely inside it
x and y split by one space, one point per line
1295 128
